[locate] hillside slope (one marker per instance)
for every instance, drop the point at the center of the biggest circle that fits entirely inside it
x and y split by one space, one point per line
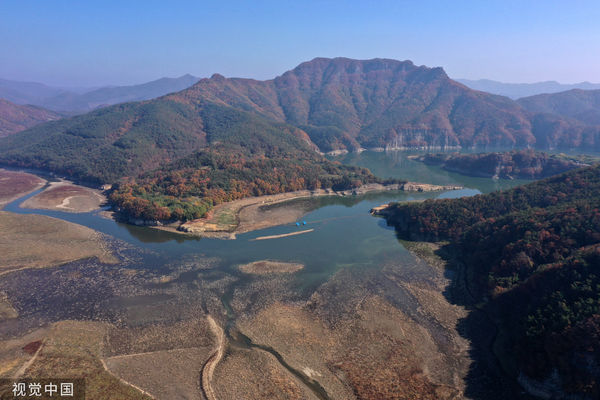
16 118
582 105
346 104
532 257
177 160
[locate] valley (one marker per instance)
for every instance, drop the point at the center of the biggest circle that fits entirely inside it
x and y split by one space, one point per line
316 200
112 260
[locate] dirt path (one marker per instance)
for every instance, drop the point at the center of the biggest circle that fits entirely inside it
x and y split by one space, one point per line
209 368
24 367
124 381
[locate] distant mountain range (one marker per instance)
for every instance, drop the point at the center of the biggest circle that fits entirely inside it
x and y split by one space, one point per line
80 101
226 138
518 90
332 104
15 118
27 92
581 105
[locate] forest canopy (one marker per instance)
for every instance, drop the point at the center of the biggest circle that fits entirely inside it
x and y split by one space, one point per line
533 254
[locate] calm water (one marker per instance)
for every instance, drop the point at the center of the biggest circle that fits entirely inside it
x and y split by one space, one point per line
345 234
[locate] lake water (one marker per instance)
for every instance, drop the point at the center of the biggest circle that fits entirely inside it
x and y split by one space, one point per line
345 234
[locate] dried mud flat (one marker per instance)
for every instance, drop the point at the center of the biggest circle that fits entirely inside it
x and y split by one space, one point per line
65 196
36 241
381 335
266 267
375 333
66 349
138 334
249 374
14 184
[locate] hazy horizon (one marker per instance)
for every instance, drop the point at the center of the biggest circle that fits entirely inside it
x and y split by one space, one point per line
99 86
61 43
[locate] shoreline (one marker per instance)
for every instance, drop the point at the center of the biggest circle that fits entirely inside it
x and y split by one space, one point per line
66 196
8 175
229 219
224 221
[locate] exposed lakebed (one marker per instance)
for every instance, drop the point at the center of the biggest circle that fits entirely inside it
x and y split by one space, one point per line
358 286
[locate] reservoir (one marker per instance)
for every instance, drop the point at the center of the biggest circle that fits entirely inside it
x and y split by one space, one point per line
343 233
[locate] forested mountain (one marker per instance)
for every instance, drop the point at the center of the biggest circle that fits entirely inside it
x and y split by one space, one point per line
15 118
204 154
527 164
582 105
533 254
27 92
348 104
518 90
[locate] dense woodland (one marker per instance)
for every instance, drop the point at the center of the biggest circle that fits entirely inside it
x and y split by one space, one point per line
527 164
533 254
188 188
172 160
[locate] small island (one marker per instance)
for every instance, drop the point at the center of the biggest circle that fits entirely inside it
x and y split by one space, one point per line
266 267
523 164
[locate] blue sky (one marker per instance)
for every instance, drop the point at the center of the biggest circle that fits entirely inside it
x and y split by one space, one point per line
123 42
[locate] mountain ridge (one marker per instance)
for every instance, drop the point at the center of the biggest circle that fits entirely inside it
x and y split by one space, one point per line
15 118
578 104
518 90
67 100
335 105
346 104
